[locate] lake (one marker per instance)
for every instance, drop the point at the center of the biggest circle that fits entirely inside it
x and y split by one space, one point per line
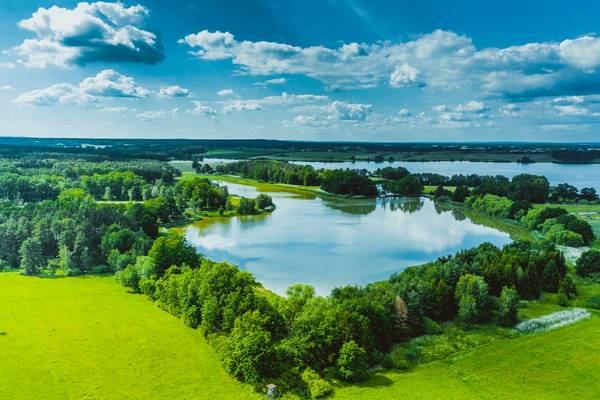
578 175
334 242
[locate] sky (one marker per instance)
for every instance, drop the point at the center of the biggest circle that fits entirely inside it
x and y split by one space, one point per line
302 70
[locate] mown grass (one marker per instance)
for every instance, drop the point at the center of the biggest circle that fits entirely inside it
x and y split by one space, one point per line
88 338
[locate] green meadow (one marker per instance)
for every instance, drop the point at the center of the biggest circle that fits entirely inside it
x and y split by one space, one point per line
559 364
88 338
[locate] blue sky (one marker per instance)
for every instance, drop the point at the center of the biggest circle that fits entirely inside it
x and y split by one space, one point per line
301 70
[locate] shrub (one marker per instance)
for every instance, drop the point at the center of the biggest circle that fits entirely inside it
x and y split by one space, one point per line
588 263
317 386
507 306
352 362
567 287
246 206
593 302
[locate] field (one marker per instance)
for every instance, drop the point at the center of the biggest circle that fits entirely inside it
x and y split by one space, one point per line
560 364
88 338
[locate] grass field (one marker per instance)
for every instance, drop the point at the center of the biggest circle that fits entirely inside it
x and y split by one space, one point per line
560 364
88 338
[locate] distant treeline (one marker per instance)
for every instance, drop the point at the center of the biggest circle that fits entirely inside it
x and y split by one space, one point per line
346 182
170 149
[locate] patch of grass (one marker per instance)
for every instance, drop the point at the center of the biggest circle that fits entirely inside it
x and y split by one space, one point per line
429 189
88 338
559 364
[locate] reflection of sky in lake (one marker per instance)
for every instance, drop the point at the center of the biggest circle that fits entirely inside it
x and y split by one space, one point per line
329 243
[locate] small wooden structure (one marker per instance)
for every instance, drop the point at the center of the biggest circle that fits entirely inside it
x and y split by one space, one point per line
271 391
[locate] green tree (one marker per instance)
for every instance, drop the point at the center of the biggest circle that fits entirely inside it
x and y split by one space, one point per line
249 351
588 263
32 260
352 362
167 251
508 306
472 296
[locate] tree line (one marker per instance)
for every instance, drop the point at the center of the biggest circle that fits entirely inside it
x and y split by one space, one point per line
301 341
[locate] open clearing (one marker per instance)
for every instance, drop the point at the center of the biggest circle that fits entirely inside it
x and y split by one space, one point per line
88 338
560 364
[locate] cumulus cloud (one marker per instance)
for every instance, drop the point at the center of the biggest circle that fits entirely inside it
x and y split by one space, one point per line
440 59
6 88
173 91
239 105
225 92
107 83
201 109
89 32
404 75
348 111
7 65
464 114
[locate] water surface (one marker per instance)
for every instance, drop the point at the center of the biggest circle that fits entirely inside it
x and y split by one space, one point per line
578 175
331 242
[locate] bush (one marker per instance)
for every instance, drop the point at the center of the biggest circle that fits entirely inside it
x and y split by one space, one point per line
317 386
593 302
246 206
507 306
352 362
588 263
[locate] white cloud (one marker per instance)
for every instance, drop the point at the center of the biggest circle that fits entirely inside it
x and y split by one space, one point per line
274 81
173 91
440 59
7 65
154 115
348 111
113 109
510 110
225 92
462 114
90 32
107 83
404 75
201 109
242 106
6 88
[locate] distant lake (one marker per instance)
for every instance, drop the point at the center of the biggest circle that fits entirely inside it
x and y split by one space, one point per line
332 242
578 175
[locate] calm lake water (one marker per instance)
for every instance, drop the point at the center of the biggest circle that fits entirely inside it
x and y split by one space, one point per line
329 243
578 175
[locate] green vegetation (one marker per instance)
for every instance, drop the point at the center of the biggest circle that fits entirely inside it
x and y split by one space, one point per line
558 364
86 337
307 345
